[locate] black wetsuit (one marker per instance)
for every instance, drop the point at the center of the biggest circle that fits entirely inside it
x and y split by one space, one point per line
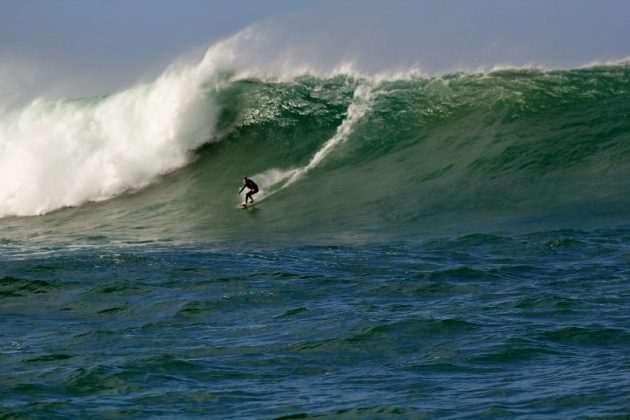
253 189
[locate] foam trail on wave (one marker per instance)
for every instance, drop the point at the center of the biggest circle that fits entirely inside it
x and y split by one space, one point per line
56 154
274 180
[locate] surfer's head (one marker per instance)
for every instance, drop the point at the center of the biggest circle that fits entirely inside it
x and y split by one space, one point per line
244 178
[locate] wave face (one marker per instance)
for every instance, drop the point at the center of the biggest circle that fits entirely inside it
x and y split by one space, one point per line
415 153
340 153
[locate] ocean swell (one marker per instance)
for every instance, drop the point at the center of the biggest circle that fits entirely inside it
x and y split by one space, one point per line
337 150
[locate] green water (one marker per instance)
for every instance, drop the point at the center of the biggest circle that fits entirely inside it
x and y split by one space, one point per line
452 247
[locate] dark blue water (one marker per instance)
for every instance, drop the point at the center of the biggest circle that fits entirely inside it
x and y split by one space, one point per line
530 325
452 247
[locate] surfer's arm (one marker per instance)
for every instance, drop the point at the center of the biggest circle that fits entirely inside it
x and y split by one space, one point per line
241 190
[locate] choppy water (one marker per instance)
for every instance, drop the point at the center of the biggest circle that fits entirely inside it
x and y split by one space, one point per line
451 246
477 325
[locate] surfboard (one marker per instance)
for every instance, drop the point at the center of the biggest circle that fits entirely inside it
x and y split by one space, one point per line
246 206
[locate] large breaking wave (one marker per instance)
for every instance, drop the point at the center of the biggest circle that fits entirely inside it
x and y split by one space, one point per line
356 149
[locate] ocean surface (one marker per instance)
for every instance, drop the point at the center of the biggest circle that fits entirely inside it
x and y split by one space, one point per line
453 246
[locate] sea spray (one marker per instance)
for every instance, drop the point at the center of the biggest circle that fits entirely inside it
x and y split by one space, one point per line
273 180
386 155
63 153
452 246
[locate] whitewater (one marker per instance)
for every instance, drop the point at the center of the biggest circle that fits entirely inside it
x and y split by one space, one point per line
67 152
448 245
64 153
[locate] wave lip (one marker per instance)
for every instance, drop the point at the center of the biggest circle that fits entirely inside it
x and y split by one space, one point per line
64 153
274 180
461 148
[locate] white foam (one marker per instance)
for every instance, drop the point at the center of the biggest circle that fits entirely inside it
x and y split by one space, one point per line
607 63
55 154
274 180
64 153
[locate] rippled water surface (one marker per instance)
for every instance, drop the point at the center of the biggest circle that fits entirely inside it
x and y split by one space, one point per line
534 325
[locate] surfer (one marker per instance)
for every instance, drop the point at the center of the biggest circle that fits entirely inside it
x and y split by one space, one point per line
253 189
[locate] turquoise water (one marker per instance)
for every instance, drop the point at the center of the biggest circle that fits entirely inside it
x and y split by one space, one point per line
452 246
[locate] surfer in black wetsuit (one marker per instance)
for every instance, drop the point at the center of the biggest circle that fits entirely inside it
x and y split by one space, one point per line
253 189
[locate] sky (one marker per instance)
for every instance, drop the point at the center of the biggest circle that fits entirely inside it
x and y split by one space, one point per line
89 47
